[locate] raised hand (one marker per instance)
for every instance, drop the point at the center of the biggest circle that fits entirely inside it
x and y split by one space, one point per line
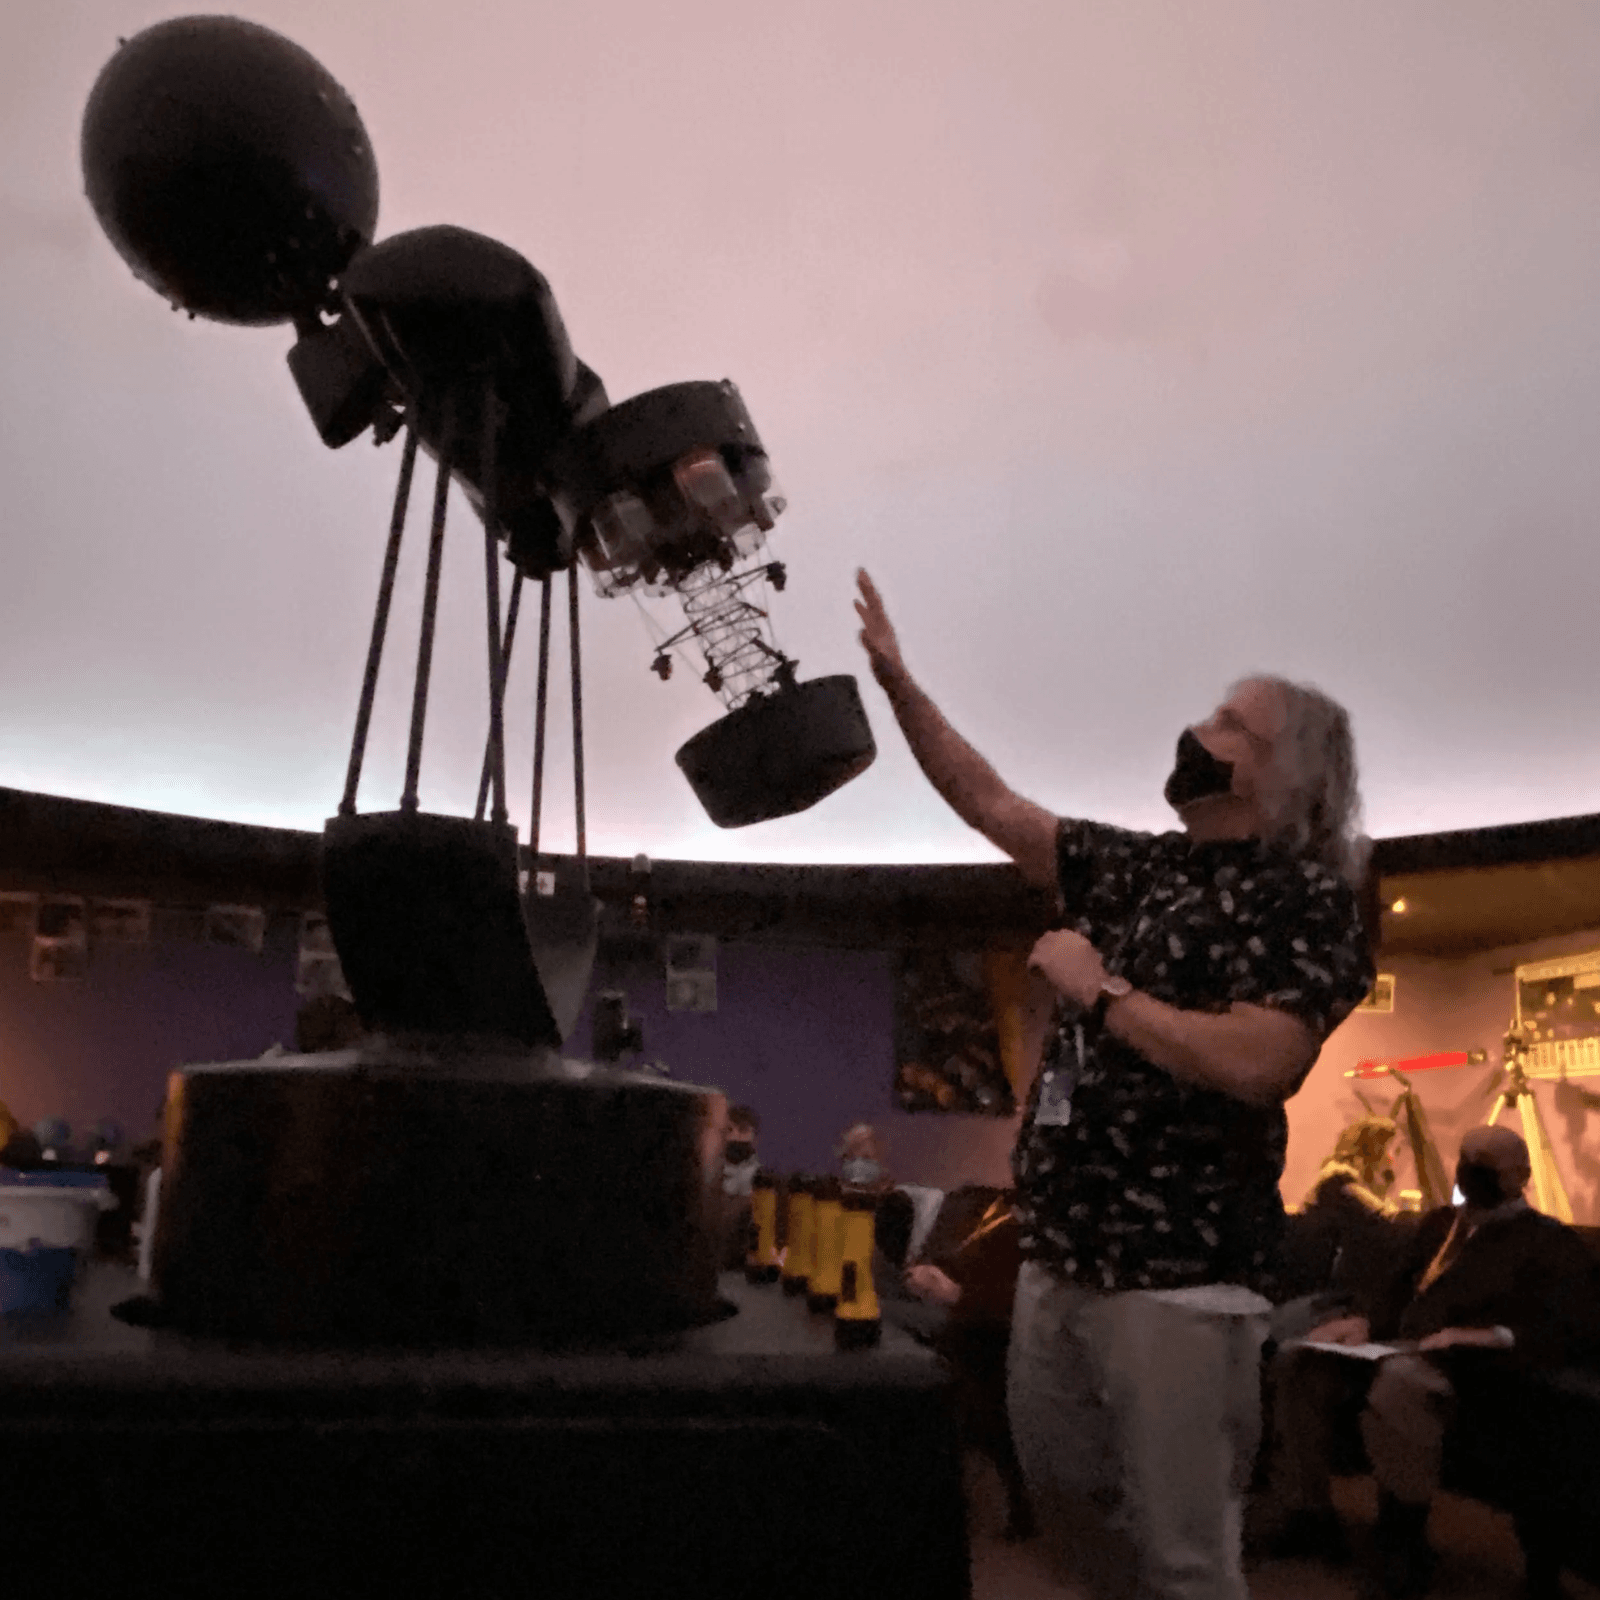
877 632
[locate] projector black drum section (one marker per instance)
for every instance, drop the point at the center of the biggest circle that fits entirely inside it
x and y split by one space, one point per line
435 1195
780 753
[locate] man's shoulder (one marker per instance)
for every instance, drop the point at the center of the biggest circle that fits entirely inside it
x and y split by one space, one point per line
1086 834
1534 1225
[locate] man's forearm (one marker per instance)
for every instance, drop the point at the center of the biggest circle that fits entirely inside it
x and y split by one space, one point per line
1210 1050
964 780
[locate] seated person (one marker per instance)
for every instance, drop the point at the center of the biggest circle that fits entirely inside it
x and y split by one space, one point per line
861 1167
740 1164
19 1147
1486 1289
968 1267
1343 1234
1358 1172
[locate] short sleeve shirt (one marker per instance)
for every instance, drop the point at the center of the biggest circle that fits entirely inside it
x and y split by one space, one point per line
1127 1178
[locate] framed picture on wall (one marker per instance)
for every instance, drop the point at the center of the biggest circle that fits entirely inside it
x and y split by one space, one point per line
60 940
317 970
16 913
957 1031
691 972
1380 997
119 921
243 927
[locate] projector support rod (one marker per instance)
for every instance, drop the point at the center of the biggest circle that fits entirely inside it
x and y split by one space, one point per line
538 721
430 609
512 609
380 618
577 723
497 661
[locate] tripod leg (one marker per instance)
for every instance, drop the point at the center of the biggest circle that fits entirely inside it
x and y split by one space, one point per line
1547 1184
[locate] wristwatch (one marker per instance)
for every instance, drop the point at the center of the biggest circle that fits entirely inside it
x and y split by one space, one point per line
1110 989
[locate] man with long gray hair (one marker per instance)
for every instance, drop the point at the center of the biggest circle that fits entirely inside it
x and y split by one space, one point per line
1188 992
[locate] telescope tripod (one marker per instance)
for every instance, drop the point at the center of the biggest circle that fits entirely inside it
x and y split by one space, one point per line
1517 1095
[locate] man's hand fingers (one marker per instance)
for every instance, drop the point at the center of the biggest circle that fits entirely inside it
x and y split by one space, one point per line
870 596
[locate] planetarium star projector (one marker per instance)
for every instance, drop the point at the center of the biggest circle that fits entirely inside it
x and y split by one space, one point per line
233 175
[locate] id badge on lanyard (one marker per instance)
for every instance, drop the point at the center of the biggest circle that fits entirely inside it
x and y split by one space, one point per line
1058 1080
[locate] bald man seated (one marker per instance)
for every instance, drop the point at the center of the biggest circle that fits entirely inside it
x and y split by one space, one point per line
1486 1289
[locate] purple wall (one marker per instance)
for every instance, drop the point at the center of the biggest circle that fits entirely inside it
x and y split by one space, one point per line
804 1036
102 1046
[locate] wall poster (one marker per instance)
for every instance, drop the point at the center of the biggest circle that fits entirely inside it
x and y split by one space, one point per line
958 1030
1559 1001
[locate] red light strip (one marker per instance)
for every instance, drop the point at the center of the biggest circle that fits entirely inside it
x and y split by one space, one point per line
1374 1069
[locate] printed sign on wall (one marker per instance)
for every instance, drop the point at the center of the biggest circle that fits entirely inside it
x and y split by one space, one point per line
1559 1001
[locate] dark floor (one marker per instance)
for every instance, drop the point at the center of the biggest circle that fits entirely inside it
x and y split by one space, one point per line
1479 1558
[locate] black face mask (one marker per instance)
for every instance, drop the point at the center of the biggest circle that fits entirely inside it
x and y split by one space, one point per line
1479 1184
738 1151
1198 774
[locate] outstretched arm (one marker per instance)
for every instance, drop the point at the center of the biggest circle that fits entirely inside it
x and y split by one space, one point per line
968 784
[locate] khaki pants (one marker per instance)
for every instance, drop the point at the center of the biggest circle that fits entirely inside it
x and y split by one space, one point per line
1405 1404
1136 1418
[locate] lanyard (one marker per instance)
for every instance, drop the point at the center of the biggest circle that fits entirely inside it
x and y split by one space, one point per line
1106 961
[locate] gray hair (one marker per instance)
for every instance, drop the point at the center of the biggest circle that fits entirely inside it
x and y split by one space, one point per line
1313 800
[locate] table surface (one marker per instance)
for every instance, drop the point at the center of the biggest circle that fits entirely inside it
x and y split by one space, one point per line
747 1457
772 1342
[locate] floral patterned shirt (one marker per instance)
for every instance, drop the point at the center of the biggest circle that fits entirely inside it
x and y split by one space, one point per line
1127 1178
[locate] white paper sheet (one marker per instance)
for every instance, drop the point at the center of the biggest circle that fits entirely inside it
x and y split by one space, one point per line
1361 1352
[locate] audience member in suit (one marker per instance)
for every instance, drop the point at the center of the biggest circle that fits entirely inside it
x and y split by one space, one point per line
1486 1290
968 1265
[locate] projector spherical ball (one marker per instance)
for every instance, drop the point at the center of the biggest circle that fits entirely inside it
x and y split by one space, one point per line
231 172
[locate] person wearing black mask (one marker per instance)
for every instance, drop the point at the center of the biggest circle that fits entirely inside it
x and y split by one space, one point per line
1194 976
1490 1276
740 1163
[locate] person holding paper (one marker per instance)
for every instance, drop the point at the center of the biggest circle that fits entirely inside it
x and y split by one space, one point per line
1490 1276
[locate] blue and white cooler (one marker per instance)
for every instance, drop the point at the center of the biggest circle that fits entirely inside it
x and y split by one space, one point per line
47 1227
